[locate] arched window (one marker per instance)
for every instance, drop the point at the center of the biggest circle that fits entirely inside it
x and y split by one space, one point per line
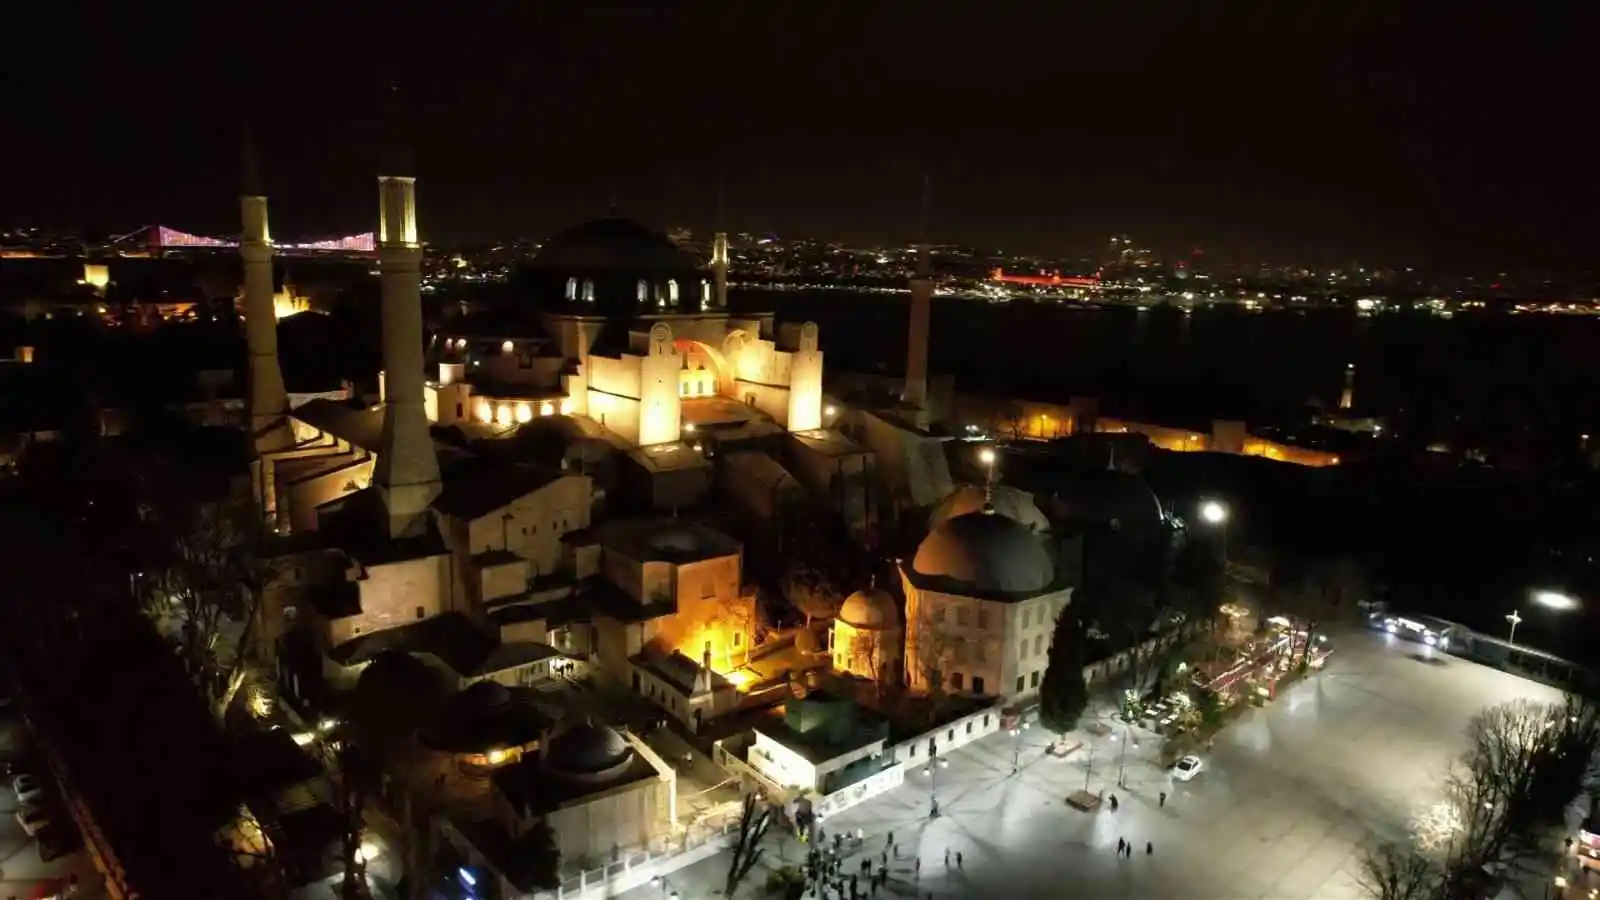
705 293
588 290
572 288
644 291
672 290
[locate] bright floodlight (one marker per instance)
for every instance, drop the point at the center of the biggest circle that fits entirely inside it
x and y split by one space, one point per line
1213 512
986 456
1555 600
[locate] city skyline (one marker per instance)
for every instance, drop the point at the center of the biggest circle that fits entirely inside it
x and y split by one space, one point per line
1318 136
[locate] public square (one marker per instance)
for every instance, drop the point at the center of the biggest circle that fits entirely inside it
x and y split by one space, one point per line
1290 795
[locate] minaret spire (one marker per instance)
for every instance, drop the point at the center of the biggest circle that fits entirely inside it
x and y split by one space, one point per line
407 468
269 401
719 258
915 392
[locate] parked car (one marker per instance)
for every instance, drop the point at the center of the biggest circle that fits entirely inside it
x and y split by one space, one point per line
1187 768
33 820
29 788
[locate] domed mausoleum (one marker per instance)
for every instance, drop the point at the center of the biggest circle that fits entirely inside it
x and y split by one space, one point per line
982 597
867 637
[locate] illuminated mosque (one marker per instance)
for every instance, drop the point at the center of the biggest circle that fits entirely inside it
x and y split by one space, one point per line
414 524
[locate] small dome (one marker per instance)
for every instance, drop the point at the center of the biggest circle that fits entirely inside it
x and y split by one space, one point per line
482 695
587 750
1011 502
613 242
984 553
871 610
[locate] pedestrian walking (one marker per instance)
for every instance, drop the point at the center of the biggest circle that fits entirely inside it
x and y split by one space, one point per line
889 842
947 857
961 864
1163 798
916 868
1113 802
1121 843
1149 848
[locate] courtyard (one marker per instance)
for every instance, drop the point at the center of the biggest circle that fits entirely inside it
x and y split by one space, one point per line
1290 795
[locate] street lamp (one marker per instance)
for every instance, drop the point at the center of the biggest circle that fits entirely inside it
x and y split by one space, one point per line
986 456
667 890
1016 746
1214 512
1553 600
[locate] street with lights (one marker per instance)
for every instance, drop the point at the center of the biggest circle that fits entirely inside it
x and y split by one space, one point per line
1288 798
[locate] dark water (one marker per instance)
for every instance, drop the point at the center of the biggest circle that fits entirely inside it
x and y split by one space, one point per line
1496 372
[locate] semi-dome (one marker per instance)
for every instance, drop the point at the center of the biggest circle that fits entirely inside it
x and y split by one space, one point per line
613 242
587 750
870 610
1011 502
984 553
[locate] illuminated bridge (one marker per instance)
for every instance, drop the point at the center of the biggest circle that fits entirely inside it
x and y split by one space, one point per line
159 240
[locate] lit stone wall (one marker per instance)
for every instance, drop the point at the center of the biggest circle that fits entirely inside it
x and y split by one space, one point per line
395 594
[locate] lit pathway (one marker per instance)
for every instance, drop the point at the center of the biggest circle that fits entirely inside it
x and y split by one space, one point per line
1290 795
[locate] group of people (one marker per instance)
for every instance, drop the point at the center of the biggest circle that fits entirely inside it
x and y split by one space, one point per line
826 878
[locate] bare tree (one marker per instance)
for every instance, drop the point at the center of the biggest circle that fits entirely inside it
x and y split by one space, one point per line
1400 872
1011 420
747 849
932 650
200 574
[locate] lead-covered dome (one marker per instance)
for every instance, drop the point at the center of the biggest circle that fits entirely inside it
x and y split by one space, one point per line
587 751
1012 502
1106 498
614 242
871 610
983 553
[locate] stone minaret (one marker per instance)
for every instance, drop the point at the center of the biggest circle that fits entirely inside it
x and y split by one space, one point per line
915 392
1347 397
407 470
269 402
719 270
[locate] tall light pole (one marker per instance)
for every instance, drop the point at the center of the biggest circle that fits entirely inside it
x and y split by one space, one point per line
1215 514
1552 600
1016 746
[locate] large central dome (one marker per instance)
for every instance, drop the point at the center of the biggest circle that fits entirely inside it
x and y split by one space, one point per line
980 553
614 242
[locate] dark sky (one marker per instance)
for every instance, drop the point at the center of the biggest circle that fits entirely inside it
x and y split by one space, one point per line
1276 129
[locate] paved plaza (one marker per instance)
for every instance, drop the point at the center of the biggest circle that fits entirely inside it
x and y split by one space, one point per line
1290 796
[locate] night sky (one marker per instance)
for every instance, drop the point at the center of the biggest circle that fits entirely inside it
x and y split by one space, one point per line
1256 129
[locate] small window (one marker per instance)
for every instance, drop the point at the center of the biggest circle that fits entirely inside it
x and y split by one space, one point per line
572 288
421 611
1027 616
1021 685
1038 645
736 638
588 291
913 751
983 617
986 720
1033 680
951 734
974 687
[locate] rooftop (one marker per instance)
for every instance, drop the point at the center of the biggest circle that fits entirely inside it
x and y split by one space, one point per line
818 745
476 487
676 456
678 670
828 442
360 426
453 638
665 540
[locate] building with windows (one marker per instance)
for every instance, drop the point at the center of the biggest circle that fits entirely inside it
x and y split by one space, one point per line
982 598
